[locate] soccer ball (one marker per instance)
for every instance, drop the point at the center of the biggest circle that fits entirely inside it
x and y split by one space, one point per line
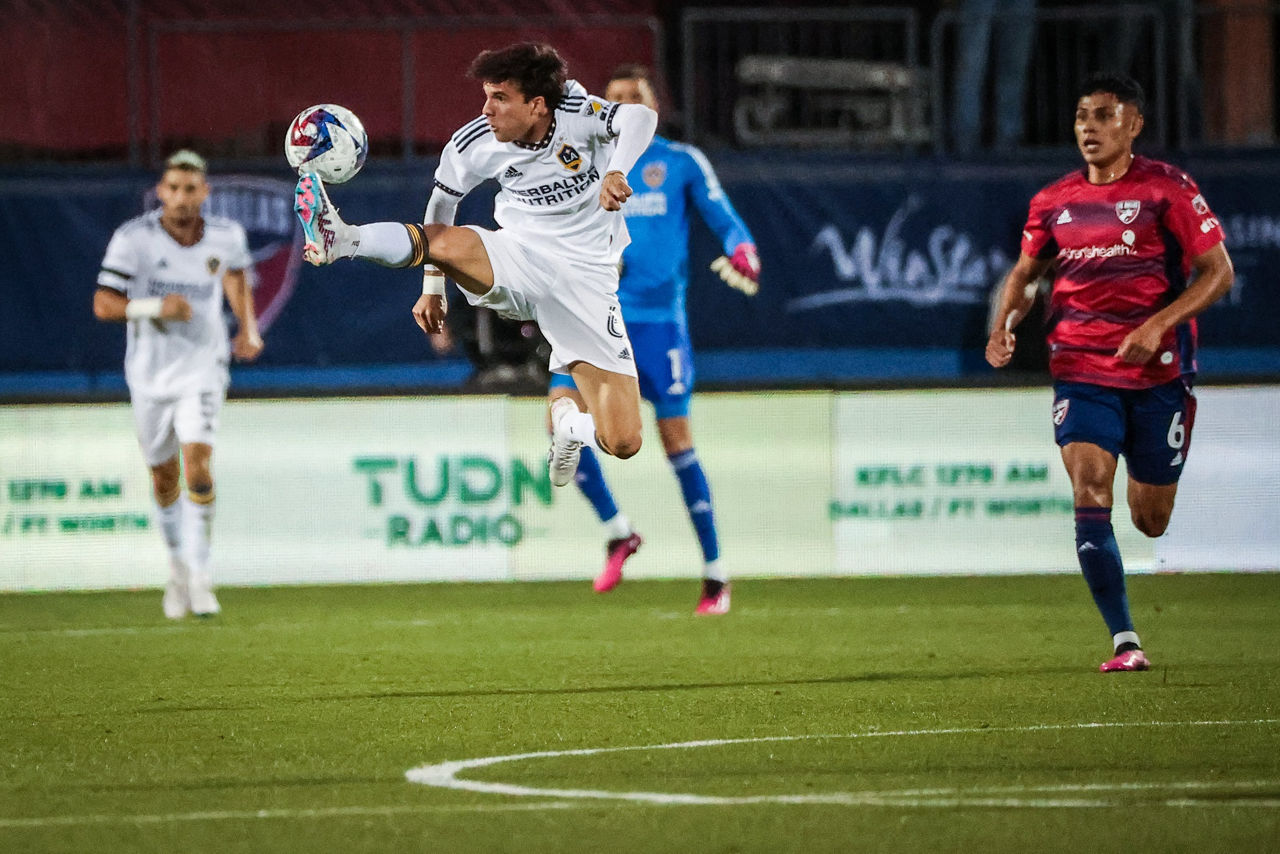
328 140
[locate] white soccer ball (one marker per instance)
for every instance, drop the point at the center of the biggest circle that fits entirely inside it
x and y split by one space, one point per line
328 140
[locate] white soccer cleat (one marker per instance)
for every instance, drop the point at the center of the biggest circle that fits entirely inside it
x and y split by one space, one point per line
562 459
326 238
177 599
203 602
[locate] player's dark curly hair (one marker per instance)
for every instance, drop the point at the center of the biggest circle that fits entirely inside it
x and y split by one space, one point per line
1125 88
535 68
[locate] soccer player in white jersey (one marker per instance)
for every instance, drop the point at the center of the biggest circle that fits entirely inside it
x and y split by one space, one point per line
164 275
561 161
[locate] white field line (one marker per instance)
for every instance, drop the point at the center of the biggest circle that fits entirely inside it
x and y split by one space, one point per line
444 775
250 815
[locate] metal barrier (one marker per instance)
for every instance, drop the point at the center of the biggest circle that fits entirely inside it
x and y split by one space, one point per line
810 77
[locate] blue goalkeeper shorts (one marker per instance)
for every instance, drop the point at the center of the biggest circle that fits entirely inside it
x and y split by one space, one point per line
664 363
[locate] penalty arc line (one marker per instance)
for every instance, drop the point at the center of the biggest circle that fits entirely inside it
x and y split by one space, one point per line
444 775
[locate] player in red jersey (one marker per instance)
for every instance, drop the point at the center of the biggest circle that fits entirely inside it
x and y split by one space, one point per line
1136 255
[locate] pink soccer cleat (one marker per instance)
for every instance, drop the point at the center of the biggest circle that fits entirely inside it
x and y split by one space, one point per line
618 551
1130 660
715 598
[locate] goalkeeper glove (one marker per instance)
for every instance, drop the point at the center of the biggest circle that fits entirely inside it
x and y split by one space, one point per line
741 270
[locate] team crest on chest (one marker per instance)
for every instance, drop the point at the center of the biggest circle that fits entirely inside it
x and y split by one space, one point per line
654 174
569 157
212 263
1128 210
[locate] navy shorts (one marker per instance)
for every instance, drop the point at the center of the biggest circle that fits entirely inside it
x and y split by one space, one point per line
664 366
1150 426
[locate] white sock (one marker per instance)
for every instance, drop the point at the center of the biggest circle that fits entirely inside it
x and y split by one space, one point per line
713 572
1125 637
199 521
170 519
581 428
619 527
386 243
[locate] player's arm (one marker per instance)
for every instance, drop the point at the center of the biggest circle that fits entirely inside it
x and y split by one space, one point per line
1213 277
114 307
248 341
111 301
432 306
633 126
1016 299
739 266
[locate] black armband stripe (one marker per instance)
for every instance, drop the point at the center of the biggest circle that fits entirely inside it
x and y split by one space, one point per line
120 273
608 122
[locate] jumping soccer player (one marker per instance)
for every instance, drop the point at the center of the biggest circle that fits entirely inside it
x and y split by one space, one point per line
164 274
561 162
670 178
1125 233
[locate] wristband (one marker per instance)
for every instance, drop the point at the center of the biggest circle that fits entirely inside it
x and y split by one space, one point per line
145 308
432 282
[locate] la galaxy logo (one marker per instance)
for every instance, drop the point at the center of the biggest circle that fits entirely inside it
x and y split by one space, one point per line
212 264
654 174
264 208
1128 210
569 157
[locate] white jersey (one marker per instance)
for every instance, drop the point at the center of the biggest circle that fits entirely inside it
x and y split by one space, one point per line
165 358
550 189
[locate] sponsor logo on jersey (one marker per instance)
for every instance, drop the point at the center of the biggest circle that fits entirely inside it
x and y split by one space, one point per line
624 353
569 157
1128 236
1209 224
211 264
1200 205
654 174
1064 217
1128 210
1089 253
512 172
1060 408
556 191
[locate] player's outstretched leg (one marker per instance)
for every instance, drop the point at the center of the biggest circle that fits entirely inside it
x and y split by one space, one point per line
326 238
562 459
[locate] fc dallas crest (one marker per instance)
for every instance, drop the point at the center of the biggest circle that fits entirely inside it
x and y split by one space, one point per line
1128 210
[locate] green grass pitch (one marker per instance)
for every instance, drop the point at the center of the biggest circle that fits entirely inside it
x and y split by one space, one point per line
951 714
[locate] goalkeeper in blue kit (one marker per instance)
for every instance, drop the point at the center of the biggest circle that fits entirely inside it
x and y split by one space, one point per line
669 179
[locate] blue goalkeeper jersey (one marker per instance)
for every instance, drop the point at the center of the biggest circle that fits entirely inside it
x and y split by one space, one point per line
668 179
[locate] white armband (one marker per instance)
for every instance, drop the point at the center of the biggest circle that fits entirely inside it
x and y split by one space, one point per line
145 308
432 281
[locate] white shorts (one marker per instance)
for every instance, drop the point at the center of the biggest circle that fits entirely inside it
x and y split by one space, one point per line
165 424
575 304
